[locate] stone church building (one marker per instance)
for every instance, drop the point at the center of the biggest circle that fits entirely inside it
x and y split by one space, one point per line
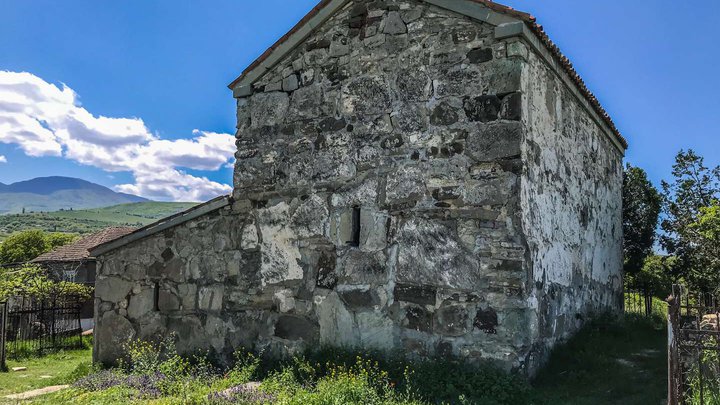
424 176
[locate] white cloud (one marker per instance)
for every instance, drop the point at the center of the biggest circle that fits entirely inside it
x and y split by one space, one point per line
45 120
3 159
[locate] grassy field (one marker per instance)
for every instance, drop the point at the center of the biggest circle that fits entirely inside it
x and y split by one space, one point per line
608 362
58 368
91 220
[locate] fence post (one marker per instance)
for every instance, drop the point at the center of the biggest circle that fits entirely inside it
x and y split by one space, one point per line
674 368
3 333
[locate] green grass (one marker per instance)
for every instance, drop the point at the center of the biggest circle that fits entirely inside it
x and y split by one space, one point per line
58 368
90 220
608 362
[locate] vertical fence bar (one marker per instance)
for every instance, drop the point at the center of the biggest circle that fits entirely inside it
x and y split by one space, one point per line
3 332
674 371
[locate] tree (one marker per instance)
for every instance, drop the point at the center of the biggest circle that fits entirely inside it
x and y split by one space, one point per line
31 280
641 209
27 245
704 235
656 274
687 203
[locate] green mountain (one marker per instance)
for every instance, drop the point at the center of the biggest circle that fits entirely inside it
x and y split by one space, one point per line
58 193
91 220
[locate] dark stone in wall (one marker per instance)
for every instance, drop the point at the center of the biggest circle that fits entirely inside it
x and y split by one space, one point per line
509 265
359 299
327 278
444 349
295 328
486 320
331 124
418 319
480 55
452 320
495 141
446 193
167 254
443 114
511 107
482 108
423 295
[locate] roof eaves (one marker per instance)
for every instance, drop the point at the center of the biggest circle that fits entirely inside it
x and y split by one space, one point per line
163 224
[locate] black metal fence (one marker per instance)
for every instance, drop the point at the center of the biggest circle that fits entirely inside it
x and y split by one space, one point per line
3 318
38 326
693 348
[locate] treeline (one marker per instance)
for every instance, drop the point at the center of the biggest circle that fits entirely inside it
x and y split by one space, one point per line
685 247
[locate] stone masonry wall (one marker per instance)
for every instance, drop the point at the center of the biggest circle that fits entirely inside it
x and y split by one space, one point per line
404 115
381 170
571 193
411 114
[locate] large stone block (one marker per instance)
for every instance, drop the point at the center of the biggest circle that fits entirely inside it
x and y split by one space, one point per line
366 95
430 253
112 289
489 142
268 109
113 332
296 328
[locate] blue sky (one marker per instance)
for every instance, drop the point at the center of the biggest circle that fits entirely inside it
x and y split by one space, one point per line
167 63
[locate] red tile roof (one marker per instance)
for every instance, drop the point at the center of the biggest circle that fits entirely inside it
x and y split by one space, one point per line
525 17
80 250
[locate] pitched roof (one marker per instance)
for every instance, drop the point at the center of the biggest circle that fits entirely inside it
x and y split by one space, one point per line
526 18
80 250
162 224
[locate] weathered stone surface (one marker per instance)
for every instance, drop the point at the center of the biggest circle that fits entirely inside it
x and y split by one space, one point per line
268 109
366 95
113 331
486 320
494 141
429 253
480 55
424 295
359 299
452 320
403 180
167 301
211 298
482 108
141 303
444 114
112 289
394 24
406 185
336 322
327 277
295 328
418 319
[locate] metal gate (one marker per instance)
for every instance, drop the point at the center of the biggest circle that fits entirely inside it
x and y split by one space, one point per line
693 348
38 326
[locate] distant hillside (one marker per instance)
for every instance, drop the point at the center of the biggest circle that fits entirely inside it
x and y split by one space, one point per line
91 220
56 193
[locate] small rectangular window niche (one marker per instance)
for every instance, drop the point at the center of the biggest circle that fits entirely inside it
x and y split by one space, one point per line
355 241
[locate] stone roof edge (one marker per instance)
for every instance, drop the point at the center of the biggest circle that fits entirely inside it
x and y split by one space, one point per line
163 224
242 86
483 10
